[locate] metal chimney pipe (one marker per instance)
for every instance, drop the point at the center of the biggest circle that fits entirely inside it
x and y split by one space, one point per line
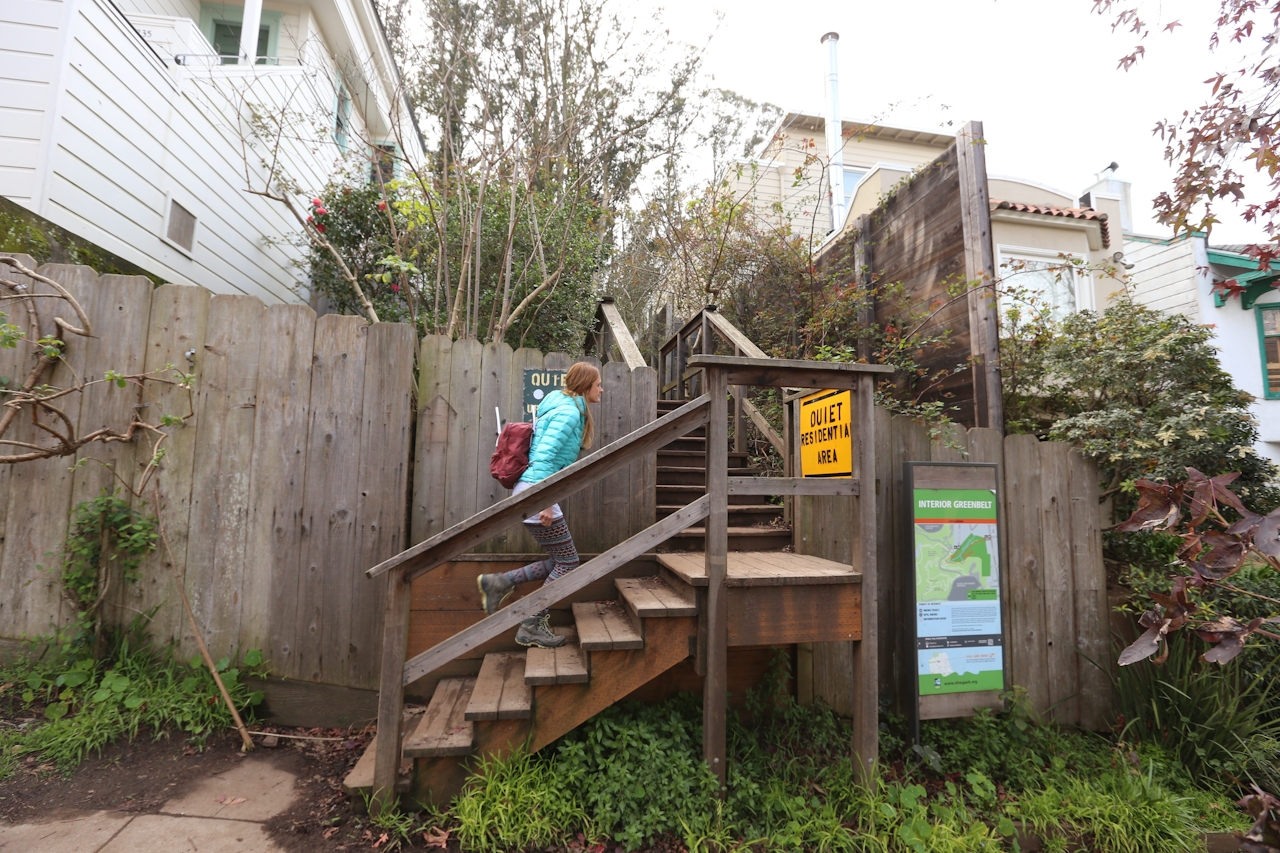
835 132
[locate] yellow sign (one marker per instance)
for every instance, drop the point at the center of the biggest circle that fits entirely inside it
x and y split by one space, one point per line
825 447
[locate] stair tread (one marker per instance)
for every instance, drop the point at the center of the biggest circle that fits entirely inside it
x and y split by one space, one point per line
654 597
444 729
762 568
732 507
360 779
739 531
565 665
736 471
604 626
500 692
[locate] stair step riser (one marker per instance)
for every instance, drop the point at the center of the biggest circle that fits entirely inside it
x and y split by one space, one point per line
689 476
768 542
685 495
737 517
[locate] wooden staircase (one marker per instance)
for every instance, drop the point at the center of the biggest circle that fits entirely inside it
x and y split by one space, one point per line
724 580
682 478
530 698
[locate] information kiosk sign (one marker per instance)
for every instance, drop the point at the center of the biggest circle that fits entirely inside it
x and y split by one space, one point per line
957 580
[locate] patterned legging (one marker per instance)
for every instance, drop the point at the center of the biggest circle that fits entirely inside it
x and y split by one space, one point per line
563 556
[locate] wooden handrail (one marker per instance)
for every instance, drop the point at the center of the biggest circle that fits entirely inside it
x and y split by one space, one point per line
613 326
487 523
589 572
732 334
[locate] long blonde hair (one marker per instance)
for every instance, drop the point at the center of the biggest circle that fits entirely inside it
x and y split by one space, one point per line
577 382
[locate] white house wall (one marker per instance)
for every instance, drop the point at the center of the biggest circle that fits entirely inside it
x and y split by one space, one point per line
30 52
1164 275
102 149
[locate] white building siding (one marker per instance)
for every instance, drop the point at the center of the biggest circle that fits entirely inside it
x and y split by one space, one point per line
1164 276
30 35
133 133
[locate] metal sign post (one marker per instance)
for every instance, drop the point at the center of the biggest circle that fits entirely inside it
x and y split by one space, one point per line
955 589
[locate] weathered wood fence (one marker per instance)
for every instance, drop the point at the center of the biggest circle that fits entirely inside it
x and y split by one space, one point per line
297 472
1055 606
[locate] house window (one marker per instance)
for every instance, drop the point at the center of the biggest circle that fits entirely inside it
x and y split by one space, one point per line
1269 333
342 118
181 228
222 25
851 178
382 166
1035 282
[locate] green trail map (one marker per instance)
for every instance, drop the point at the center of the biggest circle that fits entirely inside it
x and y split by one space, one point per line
954 560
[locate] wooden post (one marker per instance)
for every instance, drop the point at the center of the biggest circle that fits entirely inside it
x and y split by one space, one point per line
739 444
979 262
682 363
395 647
717 546
866 677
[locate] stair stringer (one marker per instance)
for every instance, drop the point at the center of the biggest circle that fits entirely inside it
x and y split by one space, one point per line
560 708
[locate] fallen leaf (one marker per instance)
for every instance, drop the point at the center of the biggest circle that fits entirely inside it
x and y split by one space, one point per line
436 837
331 831
382 839
231 801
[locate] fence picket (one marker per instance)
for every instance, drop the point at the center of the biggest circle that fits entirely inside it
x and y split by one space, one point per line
1026 632
330 536
430 474
227 394
1059 584
178 328
385 453
464 438
495 377
1093 645
279 478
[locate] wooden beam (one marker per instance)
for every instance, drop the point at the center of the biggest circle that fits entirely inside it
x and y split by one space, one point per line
984 321
793 486
866 667
789 373
507 618
486 524
622 336
395 645
717 548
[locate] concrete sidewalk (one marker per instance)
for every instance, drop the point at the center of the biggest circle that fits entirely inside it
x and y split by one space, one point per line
221 814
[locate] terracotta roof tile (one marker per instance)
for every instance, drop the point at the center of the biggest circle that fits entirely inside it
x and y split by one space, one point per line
1087 213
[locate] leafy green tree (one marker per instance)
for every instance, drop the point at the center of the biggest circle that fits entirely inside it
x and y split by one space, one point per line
1140 392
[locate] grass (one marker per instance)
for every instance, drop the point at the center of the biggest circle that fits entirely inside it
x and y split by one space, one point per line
75 705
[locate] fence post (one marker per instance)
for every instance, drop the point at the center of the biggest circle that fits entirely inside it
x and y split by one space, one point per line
866 668
717 546
395 647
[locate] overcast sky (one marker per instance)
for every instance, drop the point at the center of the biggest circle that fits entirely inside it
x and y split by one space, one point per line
1040 74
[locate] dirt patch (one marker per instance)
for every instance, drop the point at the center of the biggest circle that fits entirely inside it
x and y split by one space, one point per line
130 777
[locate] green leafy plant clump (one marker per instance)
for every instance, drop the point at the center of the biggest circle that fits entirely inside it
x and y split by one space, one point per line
78 705
633 776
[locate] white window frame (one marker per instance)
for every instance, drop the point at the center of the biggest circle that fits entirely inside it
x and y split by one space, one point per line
1082 281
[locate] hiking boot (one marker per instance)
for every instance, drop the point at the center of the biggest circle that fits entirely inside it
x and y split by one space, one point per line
536 631
494 589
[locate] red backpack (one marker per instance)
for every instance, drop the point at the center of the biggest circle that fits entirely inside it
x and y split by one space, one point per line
511 456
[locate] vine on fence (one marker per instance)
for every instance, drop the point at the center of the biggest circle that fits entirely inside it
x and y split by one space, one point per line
106 544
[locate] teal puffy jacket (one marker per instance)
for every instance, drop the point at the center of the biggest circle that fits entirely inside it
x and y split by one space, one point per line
557 436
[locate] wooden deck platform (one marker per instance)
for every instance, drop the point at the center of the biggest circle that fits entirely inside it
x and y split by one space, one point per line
778 598
762 568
